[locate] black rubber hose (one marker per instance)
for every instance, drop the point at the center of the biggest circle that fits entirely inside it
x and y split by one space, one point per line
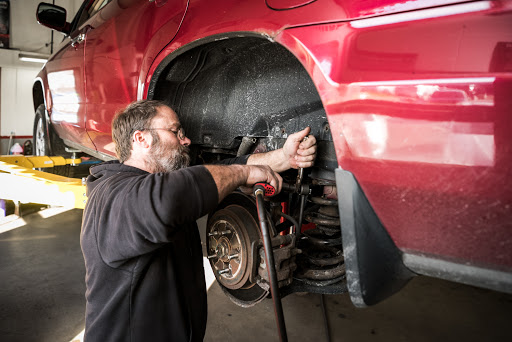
271 267
291 219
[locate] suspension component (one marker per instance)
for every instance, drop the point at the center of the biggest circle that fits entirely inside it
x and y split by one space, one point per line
308 262
322 262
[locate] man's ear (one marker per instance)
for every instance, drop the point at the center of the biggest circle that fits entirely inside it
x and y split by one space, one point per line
142 140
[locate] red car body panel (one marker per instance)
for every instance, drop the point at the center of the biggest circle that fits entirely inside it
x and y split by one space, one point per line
435 171
114 56
417 105
66 86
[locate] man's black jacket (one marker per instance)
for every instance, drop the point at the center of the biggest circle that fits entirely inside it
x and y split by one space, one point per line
142 251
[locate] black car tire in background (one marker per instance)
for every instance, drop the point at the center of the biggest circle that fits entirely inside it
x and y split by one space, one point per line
41 142
47 143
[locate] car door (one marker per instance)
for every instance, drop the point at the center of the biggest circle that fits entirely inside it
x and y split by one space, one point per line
120 36
67 85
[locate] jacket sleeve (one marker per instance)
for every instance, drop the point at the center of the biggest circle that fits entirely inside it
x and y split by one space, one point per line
139 213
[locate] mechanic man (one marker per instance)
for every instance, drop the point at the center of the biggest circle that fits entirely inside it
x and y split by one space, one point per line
141 245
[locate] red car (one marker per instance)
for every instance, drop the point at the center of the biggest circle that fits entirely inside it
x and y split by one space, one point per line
409 102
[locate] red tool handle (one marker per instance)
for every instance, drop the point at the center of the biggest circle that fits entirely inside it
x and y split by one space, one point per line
268 189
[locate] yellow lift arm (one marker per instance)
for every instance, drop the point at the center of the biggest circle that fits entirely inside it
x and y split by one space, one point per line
20 182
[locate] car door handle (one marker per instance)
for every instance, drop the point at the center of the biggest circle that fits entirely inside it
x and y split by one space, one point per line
77 40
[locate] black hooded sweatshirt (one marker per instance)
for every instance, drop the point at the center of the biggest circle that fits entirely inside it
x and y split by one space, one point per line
142 251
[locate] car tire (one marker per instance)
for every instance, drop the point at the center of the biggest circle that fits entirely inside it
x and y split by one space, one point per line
41 141
47 143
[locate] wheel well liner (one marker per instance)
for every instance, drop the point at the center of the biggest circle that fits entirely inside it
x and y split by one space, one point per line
243 86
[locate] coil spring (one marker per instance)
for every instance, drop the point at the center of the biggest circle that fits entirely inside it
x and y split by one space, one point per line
323 248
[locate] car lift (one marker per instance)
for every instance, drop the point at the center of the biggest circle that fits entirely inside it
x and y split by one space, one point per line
20 182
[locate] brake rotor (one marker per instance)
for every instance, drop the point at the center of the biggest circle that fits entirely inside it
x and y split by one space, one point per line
230 233
229 246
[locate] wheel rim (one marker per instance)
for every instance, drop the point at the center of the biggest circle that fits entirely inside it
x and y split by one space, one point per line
40 139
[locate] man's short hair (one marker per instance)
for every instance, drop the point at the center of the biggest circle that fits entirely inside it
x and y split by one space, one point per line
136 116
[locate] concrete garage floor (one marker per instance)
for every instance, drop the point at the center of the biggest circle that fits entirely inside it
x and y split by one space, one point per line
42 299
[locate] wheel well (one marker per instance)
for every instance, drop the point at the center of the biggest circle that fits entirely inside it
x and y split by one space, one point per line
228 89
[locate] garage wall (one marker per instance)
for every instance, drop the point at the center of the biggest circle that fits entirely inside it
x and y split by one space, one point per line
27 34
17 110
16 77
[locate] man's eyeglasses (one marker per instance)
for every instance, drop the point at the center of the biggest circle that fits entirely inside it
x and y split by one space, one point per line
180 133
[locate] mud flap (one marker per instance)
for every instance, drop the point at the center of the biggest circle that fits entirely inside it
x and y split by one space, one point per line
373 263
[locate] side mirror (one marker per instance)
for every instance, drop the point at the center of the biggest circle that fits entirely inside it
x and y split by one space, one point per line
52 16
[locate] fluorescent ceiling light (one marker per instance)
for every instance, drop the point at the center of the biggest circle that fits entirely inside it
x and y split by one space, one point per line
33 58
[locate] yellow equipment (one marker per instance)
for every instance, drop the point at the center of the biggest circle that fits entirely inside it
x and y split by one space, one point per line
20 182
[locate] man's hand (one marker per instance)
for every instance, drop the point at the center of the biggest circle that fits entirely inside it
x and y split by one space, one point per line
229 177
295 153
263 173
299 150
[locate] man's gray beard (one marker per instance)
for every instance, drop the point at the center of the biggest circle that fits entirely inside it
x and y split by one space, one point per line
164 159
